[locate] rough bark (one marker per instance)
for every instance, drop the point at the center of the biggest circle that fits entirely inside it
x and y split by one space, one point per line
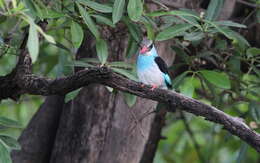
98 126
38 138
154 137
227 10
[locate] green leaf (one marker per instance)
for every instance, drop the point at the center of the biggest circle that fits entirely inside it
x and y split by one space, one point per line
193 36
104 20
88 21
50 14
234 64
135 9
4 154
214 9
49 38
172 31
2 4
221 44
230 24
10 142
39 10
121 65
96 6
31 6
236 37
2 18
187 88
191 11
77 34
102 50
129 99
9 122
150 31
59 45
126 73
145 19
242 42
33 43
178 80
191 19
134 30
132 47
258 16
71 95
169 20
175 12
81 64
252 52
118 10
91 60
256 70
220 80
219 29
64 59
255 110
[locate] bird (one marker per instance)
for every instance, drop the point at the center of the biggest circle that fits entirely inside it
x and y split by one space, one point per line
151 68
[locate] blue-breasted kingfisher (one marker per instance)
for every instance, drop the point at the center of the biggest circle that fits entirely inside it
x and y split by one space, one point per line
151 68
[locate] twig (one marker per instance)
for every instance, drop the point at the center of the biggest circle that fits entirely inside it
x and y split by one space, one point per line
170 3
160 4
247 17
248 3
137 123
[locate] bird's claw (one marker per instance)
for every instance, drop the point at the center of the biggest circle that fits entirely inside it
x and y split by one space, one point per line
153 87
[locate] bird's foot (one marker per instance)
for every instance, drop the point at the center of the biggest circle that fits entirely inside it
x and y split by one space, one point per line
153 87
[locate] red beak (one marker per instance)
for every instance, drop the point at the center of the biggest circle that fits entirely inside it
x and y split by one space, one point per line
144 50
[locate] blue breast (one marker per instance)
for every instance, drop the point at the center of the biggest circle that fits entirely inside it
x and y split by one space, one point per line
146 61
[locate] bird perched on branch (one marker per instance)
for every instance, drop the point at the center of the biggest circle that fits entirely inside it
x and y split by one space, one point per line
151 68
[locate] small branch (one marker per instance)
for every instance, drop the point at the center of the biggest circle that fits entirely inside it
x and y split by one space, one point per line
169 3
36 85
161 4
248 3
154 136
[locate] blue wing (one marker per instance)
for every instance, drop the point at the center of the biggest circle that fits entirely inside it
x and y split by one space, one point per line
163 67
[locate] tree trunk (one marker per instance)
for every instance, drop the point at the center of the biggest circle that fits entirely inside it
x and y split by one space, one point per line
98 126
38 138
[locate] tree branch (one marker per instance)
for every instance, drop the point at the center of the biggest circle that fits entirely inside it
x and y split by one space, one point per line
31 84
248 3
170 3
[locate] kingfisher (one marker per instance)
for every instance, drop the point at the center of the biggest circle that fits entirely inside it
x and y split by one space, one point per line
151 68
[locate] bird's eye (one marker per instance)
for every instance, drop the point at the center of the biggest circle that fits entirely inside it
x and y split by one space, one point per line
151 46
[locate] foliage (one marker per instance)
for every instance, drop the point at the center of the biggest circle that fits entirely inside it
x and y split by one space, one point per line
7 142
217 64
10 129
